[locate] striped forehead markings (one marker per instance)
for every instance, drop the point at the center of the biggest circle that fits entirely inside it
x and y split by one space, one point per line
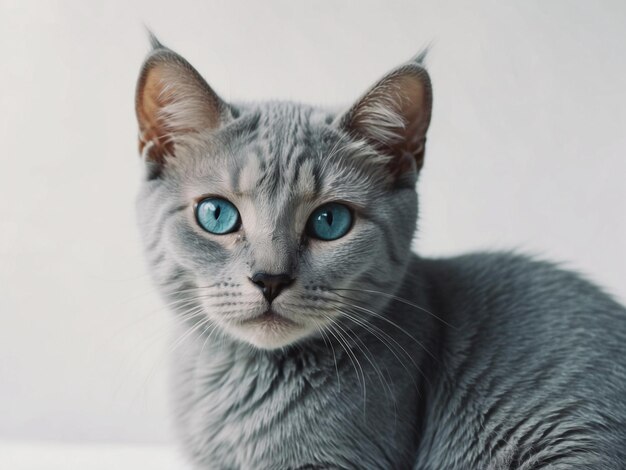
286 155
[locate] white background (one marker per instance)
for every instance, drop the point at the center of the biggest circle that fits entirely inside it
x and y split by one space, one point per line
526 151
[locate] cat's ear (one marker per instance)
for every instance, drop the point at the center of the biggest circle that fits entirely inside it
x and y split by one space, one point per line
393 116
173 101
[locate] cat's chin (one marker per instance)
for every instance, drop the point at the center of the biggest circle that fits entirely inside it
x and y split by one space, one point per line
268 331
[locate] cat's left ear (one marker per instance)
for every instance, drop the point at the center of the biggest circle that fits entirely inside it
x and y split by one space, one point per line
393 116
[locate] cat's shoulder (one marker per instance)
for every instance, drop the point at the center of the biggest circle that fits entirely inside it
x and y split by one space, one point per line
514 282
488 263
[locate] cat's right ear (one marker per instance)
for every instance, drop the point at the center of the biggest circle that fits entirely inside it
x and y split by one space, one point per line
172 102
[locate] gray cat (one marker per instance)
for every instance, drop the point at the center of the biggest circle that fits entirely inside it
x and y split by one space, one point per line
308 334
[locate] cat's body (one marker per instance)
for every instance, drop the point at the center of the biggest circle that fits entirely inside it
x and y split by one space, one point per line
521 378
308 334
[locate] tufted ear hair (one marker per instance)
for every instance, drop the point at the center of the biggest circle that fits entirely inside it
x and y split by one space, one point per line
393 116
173 101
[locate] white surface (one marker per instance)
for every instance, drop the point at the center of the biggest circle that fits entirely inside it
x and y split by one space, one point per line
526 150
17 455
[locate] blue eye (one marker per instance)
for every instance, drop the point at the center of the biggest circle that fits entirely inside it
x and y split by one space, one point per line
329 222
217 216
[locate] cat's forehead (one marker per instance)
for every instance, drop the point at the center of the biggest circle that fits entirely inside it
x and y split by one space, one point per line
287 146
289 117
283 151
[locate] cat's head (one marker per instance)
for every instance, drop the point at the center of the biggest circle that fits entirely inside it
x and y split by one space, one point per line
272 221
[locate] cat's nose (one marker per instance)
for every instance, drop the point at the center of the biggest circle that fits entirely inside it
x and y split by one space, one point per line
271 284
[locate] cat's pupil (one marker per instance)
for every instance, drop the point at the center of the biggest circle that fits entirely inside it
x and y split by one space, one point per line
217 211
329 217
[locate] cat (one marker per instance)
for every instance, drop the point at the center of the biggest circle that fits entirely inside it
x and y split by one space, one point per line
309 336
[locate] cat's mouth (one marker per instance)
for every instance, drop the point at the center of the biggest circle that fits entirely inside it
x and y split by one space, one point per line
268 330
269 318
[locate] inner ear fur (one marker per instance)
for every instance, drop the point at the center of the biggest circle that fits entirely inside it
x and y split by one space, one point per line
172 101
393 116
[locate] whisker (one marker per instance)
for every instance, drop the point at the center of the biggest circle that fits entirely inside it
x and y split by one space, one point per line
324 336
387 320
346 347
213 327
194 312
386 341
399 299
190 331
384 383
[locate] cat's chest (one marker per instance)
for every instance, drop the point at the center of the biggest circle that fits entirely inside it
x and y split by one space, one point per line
242 411
276 414
250 397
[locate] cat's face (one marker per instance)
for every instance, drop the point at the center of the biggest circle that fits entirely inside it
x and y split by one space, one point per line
270 222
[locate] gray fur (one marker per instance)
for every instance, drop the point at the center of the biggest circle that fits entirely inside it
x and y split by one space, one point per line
485 361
